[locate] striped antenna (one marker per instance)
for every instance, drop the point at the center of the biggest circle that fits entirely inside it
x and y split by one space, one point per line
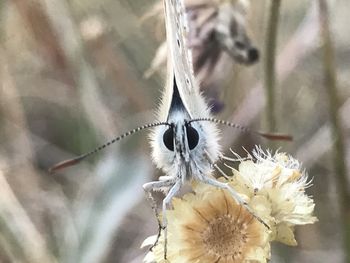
76 160
270 136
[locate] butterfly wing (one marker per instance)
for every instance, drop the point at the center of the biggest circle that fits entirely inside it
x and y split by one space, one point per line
180 64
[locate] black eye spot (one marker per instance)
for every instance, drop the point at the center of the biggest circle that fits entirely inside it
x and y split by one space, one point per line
192 137
168 139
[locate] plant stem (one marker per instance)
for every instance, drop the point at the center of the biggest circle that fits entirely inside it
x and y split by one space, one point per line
270 57
330 81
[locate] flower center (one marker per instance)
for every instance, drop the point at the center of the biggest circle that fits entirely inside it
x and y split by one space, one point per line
225 237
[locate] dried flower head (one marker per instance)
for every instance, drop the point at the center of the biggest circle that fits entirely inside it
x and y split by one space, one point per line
209 226
275 187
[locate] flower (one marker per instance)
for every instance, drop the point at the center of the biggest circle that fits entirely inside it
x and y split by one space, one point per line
275 186
209 226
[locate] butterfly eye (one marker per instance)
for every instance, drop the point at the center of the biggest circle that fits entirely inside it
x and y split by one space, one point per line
192 137
168 139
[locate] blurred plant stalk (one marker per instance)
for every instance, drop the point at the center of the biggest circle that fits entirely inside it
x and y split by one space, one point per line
19 237
330 82
270 61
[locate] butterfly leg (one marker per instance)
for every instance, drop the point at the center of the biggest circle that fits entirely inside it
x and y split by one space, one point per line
213 164
156 186
172 192
235 195
221 185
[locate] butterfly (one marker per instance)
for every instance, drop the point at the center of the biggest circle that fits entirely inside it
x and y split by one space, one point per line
185 139
189 147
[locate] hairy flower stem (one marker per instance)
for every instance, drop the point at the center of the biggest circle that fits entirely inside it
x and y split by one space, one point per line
270 58
338 150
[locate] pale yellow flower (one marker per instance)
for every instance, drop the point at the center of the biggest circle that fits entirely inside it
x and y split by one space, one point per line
275 186
209 226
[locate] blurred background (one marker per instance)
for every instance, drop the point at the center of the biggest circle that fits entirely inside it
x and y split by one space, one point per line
72 77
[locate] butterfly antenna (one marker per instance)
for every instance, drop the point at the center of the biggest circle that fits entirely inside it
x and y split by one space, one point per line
76 160
270 136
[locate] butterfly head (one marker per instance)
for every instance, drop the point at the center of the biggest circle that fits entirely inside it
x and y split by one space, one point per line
183 144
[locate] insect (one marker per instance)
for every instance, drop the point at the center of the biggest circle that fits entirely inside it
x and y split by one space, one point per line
185 139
